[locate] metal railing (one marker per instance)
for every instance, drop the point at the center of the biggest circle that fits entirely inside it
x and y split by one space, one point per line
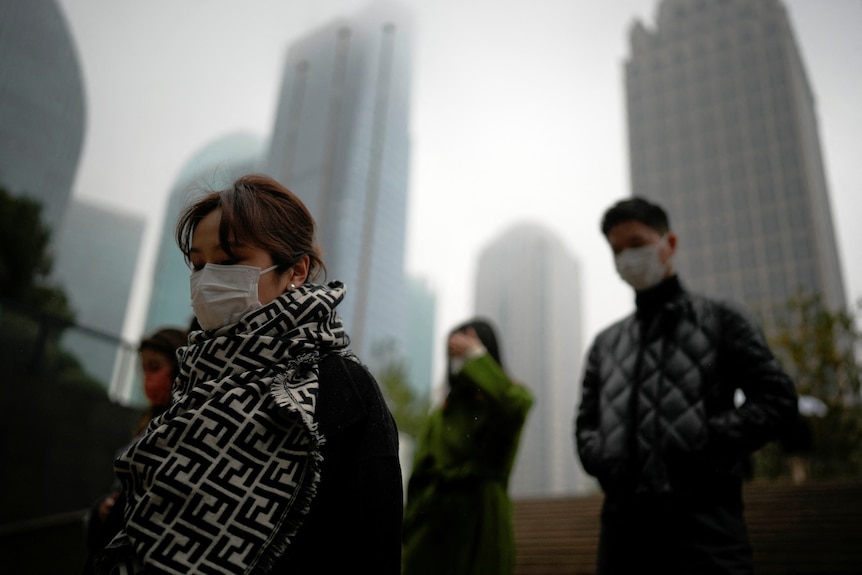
39 342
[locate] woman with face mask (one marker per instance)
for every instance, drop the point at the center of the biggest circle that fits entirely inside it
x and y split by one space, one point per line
458 518
158 355
278 453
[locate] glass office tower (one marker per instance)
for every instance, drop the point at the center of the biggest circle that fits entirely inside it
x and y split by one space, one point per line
341 143
541 333
723 133
42 114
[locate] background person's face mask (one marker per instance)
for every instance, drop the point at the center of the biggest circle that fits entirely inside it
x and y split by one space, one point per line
221 295
642 267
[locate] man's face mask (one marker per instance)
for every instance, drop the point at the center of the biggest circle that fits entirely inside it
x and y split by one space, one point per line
642 267
221 294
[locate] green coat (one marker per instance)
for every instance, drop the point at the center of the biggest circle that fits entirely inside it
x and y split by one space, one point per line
458 517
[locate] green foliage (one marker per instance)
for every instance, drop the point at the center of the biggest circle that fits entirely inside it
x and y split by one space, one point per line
34 313
409 408
25 243
29 349
817 347
25 261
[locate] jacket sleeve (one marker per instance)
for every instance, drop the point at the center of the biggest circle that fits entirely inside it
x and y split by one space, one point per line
587 438
513 400
354 523
770 395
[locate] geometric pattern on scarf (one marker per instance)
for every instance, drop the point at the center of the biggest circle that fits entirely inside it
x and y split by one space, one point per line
221 481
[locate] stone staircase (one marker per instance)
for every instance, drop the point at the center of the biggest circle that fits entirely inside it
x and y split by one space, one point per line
808 529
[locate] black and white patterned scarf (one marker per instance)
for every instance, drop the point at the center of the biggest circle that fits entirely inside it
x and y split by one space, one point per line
222 480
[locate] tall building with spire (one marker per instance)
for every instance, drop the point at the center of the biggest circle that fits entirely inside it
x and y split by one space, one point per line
341 143
539 322
723 133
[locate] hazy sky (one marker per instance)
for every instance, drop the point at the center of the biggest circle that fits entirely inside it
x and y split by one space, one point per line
517 114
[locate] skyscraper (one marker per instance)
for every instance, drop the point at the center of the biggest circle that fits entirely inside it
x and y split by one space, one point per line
42 110
539 320
341 144
97 251
723 133
419 341
212 168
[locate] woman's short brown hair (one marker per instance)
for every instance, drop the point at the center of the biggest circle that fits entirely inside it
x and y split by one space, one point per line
257 211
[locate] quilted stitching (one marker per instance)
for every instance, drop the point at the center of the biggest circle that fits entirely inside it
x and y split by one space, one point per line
680 385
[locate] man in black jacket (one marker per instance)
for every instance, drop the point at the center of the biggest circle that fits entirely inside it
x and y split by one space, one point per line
658 424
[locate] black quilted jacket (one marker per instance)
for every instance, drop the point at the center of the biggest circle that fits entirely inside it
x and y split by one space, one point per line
657 412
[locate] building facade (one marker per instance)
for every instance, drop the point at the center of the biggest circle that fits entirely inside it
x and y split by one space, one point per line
341 143
539 323
42 110
723 133
419 347
97 252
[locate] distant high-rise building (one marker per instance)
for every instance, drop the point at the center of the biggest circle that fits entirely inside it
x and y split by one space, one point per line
212 168
723 133
341 143
419 342
97 251
42 114
538 315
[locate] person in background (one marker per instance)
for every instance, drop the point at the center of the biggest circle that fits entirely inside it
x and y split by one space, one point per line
458 517
158 356
657 425
159 363
278 453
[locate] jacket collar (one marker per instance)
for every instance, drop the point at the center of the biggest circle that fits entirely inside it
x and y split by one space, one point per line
652 300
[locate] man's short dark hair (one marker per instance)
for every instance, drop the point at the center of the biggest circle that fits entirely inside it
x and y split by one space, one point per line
637 209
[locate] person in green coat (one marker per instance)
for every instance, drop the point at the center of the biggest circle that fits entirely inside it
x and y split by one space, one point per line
458 516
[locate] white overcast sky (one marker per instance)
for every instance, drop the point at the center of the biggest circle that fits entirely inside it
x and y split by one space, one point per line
517 114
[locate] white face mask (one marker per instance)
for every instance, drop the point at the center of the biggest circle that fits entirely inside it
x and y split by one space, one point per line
221 295
641 267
